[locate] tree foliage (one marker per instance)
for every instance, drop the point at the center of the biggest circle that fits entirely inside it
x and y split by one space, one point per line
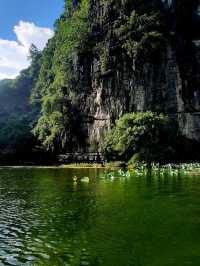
146 137
58 78
141 32
59 85
17 116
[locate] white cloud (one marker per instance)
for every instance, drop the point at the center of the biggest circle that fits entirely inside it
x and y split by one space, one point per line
28 33
13 54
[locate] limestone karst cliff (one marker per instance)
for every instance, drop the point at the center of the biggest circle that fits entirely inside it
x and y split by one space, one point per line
112 57
163 78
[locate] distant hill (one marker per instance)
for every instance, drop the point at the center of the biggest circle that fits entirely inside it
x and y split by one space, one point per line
17 115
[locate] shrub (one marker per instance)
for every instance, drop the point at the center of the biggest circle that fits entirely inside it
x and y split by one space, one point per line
146 137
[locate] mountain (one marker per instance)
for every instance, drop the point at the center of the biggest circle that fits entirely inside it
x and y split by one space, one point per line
17 115
111 57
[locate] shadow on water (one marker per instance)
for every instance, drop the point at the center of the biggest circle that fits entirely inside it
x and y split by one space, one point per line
48 219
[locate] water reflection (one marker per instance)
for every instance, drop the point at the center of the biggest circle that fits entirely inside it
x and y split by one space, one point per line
43 216
47 219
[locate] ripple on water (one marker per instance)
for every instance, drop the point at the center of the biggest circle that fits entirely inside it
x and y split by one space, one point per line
10 260
45 221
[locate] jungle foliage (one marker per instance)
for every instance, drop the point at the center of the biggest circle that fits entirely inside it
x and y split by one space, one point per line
142 137
55 80
58 81
17 116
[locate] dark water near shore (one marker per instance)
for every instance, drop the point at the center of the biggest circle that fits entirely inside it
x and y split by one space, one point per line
47 219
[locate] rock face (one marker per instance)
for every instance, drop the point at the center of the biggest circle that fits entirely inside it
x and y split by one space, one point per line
170 84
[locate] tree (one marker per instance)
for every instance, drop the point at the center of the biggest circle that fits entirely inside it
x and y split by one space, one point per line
17 116
34 53
145 137
58 83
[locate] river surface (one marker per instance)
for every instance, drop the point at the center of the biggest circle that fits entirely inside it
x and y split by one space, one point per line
47 219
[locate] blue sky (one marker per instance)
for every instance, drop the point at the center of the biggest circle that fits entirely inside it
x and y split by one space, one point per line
42 12
23 22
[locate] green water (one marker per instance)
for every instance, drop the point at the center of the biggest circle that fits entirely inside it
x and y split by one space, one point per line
46 219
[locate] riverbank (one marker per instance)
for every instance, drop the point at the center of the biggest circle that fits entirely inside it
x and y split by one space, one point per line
70 165
184 167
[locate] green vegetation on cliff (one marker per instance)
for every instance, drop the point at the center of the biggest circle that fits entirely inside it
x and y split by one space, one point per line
62 75
145 137
36 107
58 81
17 116
49 106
